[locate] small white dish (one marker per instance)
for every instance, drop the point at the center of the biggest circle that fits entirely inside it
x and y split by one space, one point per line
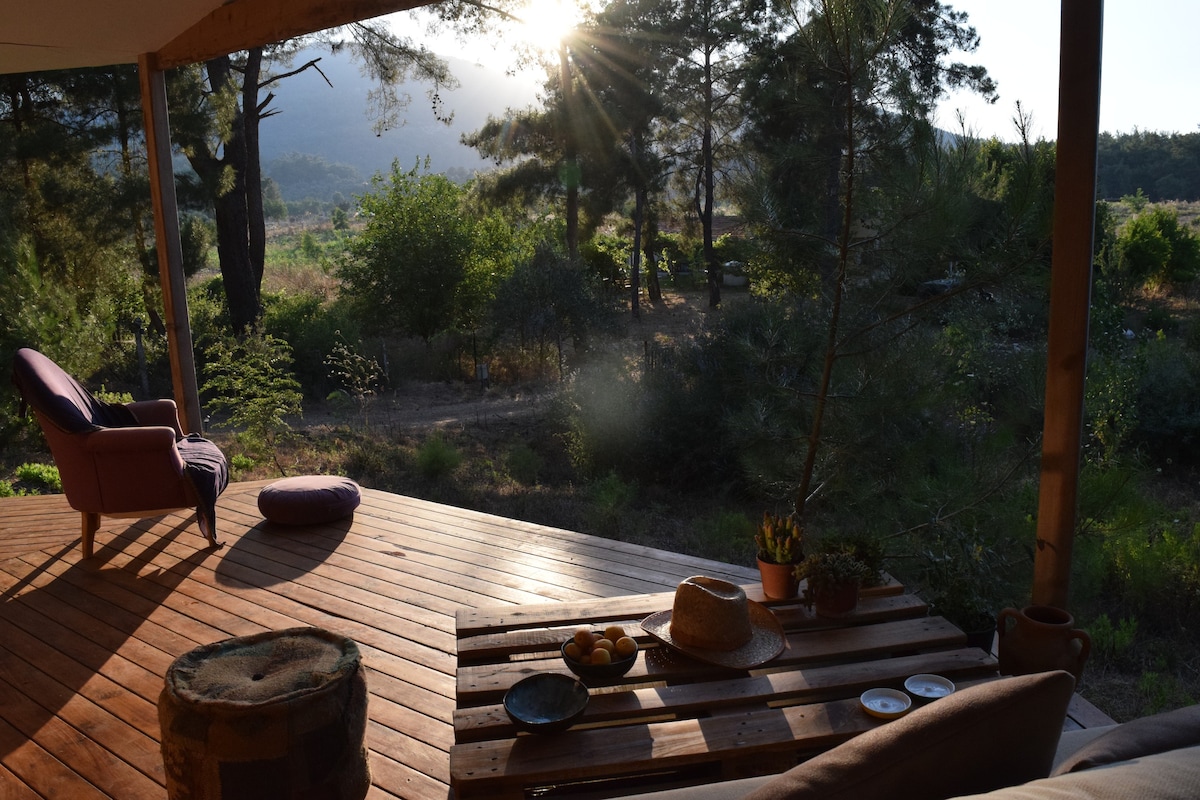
885 703
929 687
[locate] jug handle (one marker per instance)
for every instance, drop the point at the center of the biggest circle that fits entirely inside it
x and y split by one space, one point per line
1001 627
1085 643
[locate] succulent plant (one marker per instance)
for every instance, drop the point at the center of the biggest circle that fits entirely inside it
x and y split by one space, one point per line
829 569
780 539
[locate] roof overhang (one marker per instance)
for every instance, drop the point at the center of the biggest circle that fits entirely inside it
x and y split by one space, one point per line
67 34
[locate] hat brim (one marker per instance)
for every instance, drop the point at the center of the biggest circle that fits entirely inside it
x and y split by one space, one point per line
766 640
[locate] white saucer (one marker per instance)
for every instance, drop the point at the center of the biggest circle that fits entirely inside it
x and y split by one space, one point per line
885 703
929 687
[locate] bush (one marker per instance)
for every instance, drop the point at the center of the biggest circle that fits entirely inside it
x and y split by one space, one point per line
524 464
1154 247
312 327
437 458
40 476
251 380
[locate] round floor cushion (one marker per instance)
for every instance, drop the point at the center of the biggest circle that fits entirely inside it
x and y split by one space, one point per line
277 715
309 499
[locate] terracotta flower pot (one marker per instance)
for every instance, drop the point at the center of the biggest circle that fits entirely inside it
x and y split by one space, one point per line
779 581
836 601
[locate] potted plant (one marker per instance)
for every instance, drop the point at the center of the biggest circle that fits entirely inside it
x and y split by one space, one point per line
780 542
833 580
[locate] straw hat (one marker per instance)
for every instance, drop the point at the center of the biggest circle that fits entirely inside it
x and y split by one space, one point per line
713 621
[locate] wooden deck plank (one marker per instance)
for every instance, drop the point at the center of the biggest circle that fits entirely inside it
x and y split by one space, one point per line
86 644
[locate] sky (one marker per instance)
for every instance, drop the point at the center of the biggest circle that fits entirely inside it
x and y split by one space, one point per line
1150 74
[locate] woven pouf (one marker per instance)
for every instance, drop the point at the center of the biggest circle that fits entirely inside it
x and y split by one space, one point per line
279 715
309 499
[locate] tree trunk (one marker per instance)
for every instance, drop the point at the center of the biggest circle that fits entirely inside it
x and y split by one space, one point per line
239 275
649 242
252 112
570 156
712 269
635 267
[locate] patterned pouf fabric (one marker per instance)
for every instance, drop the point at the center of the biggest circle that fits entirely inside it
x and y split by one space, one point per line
309 499
279 715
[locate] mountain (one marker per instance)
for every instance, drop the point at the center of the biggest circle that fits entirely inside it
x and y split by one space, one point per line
330 123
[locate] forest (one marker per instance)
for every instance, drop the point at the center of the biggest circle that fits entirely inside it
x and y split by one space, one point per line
868 352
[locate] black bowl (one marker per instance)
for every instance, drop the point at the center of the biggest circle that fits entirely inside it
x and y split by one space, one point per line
599 672
546 702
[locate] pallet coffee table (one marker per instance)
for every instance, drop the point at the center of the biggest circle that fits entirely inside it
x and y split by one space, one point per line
672 720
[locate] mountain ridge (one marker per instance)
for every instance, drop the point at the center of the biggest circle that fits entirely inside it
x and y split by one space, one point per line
329 122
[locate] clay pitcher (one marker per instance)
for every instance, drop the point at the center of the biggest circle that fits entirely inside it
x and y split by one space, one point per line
1040 638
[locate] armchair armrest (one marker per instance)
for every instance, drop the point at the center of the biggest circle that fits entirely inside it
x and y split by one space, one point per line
156 412
145 439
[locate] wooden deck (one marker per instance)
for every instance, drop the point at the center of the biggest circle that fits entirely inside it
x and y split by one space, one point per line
84 645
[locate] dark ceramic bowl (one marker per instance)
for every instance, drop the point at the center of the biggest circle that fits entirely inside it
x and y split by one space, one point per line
599 672
546 702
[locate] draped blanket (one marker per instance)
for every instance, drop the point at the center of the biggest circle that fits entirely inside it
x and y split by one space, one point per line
208 471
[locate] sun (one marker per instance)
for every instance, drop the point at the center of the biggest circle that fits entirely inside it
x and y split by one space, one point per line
546 22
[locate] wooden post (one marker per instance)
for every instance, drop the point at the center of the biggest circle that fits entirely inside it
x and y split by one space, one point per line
1070 295
170 250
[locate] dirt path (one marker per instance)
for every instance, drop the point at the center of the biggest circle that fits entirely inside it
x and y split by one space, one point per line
413 405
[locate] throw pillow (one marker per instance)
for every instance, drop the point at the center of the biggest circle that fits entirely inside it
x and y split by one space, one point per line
1158 733
1173 775
995 734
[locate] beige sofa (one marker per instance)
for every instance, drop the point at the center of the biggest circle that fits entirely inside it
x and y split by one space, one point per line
995 741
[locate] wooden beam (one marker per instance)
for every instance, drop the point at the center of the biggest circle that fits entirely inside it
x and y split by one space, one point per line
1070 295
170 249
242 24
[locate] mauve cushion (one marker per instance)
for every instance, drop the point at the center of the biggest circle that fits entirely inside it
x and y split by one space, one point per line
978 739
309 499
1173 775
1158 733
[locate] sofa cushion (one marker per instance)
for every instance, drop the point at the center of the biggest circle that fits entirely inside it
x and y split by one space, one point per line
1173 775
978 739
1157 733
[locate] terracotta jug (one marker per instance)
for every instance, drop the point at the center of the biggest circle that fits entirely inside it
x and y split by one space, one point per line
1040 638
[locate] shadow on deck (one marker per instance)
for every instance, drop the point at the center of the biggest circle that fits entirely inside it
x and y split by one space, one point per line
84 645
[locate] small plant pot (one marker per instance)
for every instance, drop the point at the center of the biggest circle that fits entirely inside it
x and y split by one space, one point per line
837 601
779 581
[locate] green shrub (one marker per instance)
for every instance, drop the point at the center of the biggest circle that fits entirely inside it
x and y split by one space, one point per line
251 380
437 458
612 495
726 536
312 327
241 462
524 464
41 476
1112 641
7 490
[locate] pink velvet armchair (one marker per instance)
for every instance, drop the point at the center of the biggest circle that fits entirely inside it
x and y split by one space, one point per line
120 460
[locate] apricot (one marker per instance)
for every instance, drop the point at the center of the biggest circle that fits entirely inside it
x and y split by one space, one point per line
626 646
601 656
604 644
583 638
614 632
572 650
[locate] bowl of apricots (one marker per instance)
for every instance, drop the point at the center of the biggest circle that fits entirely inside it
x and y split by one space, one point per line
600 655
